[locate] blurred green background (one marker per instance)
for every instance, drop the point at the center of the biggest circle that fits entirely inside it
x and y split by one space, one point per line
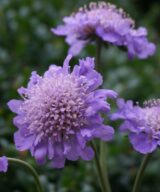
26 44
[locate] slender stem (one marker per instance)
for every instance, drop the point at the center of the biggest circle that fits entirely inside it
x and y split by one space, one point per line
102 144
102 152
98 55
104 165
140 173
99 170
31 169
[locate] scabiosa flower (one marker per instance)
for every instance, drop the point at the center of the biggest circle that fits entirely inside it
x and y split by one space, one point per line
3 164
106 22
141 123
60 112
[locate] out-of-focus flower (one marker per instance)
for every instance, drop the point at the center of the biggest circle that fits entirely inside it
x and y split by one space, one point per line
3 164
60 112
141 123
103 20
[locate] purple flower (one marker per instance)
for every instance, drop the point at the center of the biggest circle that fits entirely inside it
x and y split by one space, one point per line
3 164
105 21
141 123
60 112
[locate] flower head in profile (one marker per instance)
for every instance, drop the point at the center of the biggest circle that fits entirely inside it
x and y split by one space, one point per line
141 123
3 164
108 23
60 112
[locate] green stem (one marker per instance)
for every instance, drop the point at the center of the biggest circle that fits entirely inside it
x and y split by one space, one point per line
102 144
140 173
31 169
98 55
104 165
99 169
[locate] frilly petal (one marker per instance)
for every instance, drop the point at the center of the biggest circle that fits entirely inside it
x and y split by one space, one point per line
66 66
87 153
60 30
40 152
76 47
53 69
14 105
59 158
104 132
142 142
3 164
34 79
23 143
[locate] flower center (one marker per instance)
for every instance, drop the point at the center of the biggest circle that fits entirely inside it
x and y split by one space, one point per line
102 14
152 103
152 113
55 107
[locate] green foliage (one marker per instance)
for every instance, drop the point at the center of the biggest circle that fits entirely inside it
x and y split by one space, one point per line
26 44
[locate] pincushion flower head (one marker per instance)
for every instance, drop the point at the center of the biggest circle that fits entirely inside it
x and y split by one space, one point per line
60 112
141 123
104 21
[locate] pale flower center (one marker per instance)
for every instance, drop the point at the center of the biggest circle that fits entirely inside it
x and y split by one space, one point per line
152 113
55 107
102 14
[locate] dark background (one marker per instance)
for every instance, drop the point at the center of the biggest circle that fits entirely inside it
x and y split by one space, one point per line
26 44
